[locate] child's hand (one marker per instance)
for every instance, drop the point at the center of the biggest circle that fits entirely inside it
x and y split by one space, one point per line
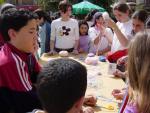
75 52
81 50
101 27
123 60
103 30
119 74
87 110
118 94
111 24
90 100
36 45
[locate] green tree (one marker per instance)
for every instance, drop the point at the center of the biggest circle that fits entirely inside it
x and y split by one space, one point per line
53 6
2 1
43 3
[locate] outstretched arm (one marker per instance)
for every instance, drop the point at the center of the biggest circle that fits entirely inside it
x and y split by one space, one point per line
121 37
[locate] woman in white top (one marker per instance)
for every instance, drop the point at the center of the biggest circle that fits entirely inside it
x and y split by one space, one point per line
100 36
123 28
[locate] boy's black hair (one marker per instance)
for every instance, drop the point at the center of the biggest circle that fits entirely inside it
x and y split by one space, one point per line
90 15
83 22
14 20
63 6
60 84
40 13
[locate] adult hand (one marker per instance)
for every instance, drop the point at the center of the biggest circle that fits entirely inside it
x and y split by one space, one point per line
52 52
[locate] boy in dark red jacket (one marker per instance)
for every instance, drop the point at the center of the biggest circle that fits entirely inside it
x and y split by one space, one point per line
18 67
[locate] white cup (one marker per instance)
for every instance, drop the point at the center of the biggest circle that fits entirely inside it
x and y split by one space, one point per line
112 68
92 81
106 18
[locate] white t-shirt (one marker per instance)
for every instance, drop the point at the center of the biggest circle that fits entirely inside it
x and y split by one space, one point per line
126 29
103 44
65 33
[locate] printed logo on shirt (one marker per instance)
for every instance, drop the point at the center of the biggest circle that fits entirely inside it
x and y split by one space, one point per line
64 31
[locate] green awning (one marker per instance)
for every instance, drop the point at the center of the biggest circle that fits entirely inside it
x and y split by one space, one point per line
85 7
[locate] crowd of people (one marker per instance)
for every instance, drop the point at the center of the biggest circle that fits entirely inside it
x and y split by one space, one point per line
60 85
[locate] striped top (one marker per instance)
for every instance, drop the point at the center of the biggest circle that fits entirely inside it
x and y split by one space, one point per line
16 87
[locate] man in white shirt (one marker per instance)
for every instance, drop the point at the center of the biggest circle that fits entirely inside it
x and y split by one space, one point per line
64 31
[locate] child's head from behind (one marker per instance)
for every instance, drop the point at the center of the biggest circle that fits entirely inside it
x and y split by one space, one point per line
139 69
83 27
90 15
19 28
62 85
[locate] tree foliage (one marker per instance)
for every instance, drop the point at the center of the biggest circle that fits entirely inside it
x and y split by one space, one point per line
2 1
47 5
52 6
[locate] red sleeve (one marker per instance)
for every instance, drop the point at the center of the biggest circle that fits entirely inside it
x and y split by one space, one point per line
113 57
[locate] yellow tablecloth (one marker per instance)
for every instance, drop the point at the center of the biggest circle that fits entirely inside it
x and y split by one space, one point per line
100 83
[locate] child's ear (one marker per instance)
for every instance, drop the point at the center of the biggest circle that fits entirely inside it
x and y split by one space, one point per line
77 107
78 104
12 34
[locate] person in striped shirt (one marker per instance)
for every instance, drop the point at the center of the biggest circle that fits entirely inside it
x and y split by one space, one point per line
18 66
